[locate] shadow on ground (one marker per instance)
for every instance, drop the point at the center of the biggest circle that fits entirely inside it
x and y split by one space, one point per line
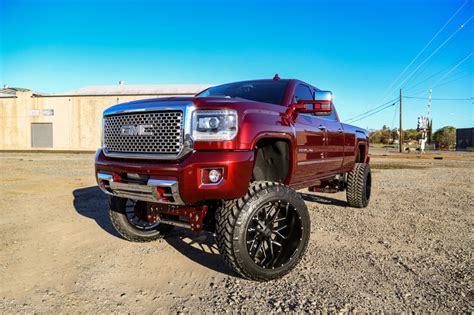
92 203
199 247
324 200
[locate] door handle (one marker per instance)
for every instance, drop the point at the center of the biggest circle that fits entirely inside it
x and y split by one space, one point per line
322 127
340 130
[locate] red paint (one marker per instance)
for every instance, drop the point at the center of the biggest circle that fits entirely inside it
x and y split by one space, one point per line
237 172
316 152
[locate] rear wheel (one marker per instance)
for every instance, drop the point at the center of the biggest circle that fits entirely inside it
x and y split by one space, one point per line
263 235
131 220
359 186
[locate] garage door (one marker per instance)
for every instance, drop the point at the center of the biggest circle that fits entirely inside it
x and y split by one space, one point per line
41 135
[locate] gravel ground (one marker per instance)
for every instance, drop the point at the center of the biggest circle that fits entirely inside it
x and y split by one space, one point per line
411 249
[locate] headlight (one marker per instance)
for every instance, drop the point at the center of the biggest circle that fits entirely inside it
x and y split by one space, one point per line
214 125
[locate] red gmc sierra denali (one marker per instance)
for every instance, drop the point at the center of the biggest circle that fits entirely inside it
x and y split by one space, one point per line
228 161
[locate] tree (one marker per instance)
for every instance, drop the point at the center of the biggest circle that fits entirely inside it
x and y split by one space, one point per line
411 134
375 136
384 135
445 137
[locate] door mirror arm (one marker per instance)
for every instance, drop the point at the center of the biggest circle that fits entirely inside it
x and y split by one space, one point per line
321 104
318 106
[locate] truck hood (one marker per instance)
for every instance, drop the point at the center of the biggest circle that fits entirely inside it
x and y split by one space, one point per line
174 102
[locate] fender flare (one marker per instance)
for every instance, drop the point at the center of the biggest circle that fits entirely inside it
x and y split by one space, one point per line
290 139
363 143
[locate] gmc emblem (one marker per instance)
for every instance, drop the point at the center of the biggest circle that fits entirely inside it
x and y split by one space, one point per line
138 130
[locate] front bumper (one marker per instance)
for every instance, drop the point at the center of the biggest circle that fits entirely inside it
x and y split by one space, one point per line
176 182
154 190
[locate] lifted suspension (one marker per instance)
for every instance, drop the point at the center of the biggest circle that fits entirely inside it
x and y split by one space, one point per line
182 216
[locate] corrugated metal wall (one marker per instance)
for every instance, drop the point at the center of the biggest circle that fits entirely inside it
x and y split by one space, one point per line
464 138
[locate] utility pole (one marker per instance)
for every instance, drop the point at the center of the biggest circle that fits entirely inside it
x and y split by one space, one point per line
429 104
400 130
428 121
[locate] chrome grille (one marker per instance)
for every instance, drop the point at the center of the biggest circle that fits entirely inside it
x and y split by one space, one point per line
164 133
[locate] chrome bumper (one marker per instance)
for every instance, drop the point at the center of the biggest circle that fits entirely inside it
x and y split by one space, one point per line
148 192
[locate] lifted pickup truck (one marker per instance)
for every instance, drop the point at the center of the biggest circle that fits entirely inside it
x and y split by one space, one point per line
228 161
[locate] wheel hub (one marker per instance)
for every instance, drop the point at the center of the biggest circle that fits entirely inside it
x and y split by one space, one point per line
267 233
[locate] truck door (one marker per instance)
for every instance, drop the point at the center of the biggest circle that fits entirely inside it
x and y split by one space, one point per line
334 149
310 140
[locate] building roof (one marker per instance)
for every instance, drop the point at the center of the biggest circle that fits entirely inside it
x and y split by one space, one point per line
8 91
138 89
6 95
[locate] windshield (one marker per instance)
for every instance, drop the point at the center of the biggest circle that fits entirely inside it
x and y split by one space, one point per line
260 91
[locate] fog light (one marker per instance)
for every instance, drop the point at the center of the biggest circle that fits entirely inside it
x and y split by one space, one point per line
210 176
214 176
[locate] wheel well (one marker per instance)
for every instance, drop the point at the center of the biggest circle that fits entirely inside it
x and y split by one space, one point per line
361 153
272 162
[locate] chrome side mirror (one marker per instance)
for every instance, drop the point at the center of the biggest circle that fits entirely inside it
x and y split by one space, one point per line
323 96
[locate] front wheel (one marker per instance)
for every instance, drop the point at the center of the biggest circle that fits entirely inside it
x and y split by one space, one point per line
130 219
263 235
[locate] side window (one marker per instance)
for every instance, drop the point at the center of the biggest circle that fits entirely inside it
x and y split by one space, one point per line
302 92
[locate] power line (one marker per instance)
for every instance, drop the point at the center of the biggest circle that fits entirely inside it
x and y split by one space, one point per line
454 80
424 48
452 69
371 114
380 107
370 110
430 77
440 99
436 50
458 76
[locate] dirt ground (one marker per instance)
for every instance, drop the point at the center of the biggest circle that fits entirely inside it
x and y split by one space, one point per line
411 249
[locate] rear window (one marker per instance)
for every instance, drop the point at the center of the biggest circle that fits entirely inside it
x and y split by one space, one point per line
260 91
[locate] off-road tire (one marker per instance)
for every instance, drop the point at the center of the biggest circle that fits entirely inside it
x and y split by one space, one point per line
359 184
233 218
119 220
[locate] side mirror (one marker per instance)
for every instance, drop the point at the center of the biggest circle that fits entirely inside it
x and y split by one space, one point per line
321 103
323 96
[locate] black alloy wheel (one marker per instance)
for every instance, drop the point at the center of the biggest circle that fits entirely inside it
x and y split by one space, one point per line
138 217
131 220
263 235
274 234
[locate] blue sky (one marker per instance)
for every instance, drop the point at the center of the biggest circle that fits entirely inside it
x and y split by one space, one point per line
354 48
